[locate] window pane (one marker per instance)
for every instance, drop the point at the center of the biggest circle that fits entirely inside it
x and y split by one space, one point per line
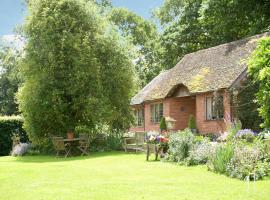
209 108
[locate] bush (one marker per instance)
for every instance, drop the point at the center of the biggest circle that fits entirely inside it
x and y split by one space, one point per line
249 159
163 125
246 134
218 163
10 125
191 122
180 144
201 152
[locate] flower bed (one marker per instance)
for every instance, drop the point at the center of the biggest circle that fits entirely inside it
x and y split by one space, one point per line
244 156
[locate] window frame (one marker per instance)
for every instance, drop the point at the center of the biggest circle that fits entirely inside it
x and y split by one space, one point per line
156 111
219 116
139 117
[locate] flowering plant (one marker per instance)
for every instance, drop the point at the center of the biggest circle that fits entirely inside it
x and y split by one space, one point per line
246 134
155 138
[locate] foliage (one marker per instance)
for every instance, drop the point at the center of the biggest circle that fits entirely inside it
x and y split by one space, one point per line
102 138
144 37
162 125
218 163
245 107
9 80
212 136
10 125
201 152
234 127
249 160
191 122
191 25
246 134
180 143
182 32
76 70
259 71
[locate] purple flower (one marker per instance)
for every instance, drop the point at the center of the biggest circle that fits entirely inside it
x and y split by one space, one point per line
245 132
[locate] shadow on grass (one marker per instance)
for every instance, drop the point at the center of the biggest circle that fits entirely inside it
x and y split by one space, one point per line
52 158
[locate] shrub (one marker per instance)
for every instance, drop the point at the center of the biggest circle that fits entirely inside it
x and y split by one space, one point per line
191 122
180 144
248 160
102 138
233 129
201 152
223 154
10 125
246 134
163 125
211 136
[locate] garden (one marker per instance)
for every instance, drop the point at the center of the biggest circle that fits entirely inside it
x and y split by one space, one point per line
65 111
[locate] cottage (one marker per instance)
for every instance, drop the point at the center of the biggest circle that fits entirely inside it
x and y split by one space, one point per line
195 86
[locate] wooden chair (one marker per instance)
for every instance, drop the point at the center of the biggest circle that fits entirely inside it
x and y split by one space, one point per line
60 146
135 143
84 144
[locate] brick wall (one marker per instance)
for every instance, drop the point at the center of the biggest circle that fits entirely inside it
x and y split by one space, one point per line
210 126
177 108
180 108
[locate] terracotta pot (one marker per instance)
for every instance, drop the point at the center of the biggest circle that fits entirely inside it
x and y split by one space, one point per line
70 135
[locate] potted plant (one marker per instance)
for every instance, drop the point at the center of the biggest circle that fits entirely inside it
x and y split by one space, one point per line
192 124
70 133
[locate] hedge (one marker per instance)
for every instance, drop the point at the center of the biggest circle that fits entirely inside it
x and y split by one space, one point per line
8 126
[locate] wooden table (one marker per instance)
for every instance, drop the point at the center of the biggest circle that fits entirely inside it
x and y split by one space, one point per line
73 143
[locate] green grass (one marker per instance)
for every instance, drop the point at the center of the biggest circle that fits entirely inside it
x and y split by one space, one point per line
107 176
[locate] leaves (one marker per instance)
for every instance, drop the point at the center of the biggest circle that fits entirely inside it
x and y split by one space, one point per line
76 70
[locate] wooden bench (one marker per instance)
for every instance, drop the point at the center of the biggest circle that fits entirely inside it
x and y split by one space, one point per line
135 143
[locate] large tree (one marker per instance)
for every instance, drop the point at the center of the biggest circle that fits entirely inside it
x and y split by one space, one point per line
9 80
76 70
144 37
191 25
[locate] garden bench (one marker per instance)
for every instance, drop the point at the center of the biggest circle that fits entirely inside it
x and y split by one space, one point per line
135 143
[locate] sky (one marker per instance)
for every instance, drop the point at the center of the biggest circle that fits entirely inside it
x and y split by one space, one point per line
12 12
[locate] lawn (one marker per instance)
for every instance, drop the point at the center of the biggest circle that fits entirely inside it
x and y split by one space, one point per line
117 176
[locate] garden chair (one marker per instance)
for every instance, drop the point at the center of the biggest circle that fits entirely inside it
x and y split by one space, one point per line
135 143
84 144
60 146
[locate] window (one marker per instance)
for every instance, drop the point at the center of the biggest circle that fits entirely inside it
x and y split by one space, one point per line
156 112
139 116
214 108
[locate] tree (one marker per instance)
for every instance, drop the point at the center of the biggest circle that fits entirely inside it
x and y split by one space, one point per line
76 70
245 106
191 25
259 71
182 33
9 80
144 37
